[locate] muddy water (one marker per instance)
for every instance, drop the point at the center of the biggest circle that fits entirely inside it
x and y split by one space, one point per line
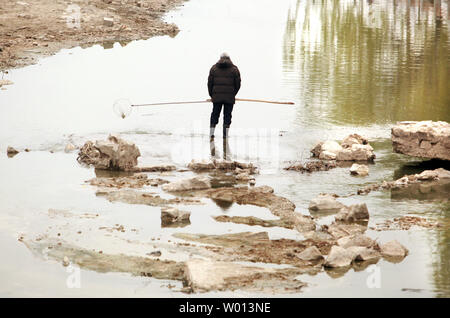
348 67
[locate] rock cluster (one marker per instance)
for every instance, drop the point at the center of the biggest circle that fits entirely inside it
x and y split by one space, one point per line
353 148
312 166
407 180
426 139
111 154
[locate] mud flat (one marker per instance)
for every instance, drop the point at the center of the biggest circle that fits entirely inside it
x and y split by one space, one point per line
31 29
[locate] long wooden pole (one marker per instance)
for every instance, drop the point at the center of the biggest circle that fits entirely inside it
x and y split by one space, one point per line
209 100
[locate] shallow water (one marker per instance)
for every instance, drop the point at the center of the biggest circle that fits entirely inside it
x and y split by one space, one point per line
348 67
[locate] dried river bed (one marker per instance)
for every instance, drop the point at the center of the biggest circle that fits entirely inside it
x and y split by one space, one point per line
127 241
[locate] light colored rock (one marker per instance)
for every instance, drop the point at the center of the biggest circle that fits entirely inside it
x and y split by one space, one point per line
356 240
393 249
350 140
368 254
303 223
69 148
338 257
196 183
5 82
353 213
325 202
311 253
66 261
356 152
426 139
354 251
108 22
206 275
342 230
331 146
359 170
170 215
327 155
201 165
442 173
113 154
361 253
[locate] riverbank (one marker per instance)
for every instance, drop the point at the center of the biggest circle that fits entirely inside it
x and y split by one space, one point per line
32 29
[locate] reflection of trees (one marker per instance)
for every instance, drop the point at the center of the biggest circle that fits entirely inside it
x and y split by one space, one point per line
441 264
360 62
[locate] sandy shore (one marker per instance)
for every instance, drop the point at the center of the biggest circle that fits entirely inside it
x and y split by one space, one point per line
34 28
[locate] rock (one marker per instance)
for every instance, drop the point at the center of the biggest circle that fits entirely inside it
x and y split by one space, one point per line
361 253
155 253
134 181
251 220
311 253
312 166
201 165
434 179
426 139
69 148
331 147
442 173
244 176
145 198
356 152
11 152
5 82
325 202
393 249
108 22
196 183
225 165
356 240
317 149
208 275
158 168
359 170
341 230
170 216
302 223
353 139
338 257
354 251
353 148
112 154
367 254
327 155
66 261
353 213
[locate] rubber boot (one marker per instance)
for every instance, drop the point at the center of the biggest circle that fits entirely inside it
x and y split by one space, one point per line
211 133
226 129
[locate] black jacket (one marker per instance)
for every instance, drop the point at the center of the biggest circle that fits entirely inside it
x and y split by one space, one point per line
224 81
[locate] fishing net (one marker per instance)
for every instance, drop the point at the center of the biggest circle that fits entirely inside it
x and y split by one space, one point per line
122 107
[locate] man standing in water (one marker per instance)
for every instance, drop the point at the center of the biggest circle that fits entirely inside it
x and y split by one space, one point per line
224 82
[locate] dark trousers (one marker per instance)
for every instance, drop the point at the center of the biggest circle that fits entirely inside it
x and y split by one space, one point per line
227 110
